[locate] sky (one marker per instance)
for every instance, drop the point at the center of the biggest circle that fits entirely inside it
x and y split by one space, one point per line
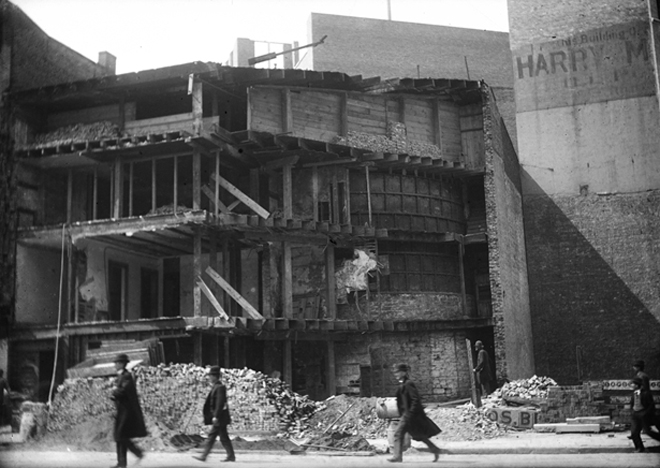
146 34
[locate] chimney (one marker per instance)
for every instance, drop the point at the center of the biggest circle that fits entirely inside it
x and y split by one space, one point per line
108 62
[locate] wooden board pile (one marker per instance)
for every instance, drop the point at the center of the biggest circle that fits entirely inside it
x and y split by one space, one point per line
77 133
172 398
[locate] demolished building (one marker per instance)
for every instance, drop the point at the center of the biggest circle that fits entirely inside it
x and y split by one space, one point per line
214 207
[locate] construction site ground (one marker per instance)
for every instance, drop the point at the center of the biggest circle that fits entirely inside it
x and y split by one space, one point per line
524 449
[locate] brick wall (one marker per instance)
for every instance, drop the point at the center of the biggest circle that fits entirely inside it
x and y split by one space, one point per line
56 63
594 291
438 362
407 306
506 249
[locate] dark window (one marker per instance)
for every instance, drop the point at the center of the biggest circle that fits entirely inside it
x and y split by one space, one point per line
117 290
148 293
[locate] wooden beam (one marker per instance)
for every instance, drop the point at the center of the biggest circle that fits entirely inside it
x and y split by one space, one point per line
95 196
153 185
69 196
212 299
287 281
287 192
175 183
315 192
247 307
211 196
254 206
130 189
197 180
461 272
216 186
197 272
197 109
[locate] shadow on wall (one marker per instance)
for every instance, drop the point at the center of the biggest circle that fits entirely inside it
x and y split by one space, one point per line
587 323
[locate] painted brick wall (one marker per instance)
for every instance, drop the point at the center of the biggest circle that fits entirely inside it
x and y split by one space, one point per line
536 21
438 361
594 291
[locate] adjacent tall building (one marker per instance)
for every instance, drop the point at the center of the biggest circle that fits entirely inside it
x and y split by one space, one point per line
586 86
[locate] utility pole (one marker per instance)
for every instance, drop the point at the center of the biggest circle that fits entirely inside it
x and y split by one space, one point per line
389 10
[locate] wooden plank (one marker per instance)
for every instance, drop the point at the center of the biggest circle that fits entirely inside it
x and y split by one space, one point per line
287 281
209 193
287 192
247 307
254 206
330 282
331 376
197 271
287 115
212 299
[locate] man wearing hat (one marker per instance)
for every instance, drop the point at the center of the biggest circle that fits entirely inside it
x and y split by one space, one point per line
483 370
216 412
129 422
413 418
642 415
639 372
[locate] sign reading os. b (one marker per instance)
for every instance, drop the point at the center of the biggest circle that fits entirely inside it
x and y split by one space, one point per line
516 417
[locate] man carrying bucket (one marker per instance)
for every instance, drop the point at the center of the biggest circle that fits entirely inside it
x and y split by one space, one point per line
413 418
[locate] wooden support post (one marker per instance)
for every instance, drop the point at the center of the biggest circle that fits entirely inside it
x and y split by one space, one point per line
153 184
95 195
69 196
197 349
117 189
175 183
213 259
368 179
197 180
216 190
197 109
287 281
287 363
197 272
331 305
331 375
69 279
461 272
287 192
130 189
225 273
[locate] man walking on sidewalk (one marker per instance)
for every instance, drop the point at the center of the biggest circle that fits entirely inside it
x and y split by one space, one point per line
216 412
129 422
413 418
643 414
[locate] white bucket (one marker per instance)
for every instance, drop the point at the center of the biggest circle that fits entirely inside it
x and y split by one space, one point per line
386 408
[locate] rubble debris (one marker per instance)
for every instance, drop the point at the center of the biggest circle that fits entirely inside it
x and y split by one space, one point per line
168 210
172 398
533 388
395 141
76 133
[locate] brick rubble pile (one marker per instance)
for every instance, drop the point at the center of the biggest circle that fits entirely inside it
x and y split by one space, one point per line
533 388
172 398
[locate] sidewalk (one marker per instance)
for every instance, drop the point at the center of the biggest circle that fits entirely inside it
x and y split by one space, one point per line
530 442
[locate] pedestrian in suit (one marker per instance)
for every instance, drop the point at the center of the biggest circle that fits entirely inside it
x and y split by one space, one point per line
413 418
643 414
483 369
216 412
129 422
638 366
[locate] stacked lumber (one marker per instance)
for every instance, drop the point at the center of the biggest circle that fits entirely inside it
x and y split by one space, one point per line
77 133
172 398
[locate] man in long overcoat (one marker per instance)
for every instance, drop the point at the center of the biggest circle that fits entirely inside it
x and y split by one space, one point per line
216 412
642 415
483 370
413 418
129 422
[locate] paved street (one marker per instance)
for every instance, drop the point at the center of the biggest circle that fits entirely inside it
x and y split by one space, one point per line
40 459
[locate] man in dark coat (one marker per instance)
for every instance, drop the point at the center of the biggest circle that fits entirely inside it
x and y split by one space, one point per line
216 412
413 418
483 369
638 366
643 414
129 422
